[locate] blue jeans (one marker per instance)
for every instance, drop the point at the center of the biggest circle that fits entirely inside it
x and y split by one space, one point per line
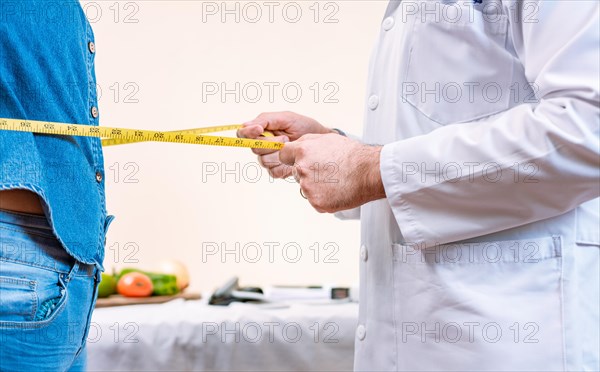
46 298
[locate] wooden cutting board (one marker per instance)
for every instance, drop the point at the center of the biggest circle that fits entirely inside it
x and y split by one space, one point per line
118 300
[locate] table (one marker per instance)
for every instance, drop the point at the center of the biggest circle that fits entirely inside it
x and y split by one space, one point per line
192 335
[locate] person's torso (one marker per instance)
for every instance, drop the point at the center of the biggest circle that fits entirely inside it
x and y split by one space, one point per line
47 73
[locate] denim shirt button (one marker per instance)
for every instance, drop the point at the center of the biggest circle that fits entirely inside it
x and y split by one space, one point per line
92 47
94 112
98 177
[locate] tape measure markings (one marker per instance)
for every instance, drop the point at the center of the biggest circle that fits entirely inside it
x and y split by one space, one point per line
117 136
219 128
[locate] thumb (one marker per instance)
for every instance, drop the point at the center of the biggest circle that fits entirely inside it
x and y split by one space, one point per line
287 155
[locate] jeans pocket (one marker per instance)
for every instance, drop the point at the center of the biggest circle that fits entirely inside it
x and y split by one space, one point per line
30 297
18 300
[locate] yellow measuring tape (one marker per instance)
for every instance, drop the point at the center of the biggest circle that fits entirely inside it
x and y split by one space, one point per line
120 136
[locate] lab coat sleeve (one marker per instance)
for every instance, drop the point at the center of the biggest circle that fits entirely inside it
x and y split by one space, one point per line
349 214
526 164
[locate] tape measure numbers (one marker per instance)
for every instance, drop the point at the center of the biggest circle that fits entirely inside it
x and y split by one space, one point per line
120 136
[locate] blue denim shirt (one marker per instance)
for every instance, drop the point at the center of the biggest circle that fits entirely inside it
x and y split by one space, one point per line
47 73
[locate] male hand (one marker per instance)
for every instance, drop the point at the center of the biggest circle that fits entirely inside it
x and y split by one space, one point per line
286 126
335 173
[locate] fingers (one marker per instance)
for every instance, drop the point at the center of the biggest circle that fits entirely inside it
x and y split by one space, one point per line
269 161
273 121
251 131
285 123
281 171
288 154
309 136
273 165
279 123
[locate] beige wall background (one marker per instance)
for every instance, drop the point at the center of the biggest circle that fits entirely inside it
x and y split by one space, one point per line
164 65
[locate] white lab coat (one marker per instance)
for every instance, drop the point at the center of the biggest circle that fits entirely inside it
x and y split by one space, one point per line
485 253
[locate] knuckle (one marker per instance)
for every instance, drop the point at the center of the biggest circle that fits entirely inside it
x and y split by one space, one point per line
277 172
271 157
305 171
301 151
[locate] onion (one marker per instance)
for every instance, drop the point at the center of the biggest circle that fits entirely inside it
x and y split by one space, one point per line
173 267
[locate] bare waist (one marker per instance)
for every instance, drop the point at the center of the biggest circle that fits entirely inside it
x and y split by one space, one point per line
23 201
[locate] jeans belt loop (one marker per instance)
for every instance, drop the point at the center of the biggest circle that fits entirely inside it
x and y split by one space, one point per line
74 269
98 273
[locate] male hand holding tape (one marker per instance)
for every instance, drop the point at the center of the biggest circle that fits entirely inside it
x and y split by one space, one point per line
319 157
479 199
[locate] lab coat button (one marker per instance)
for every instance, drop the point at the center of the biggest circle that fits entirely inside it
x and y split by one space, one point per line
92 47
361 332
363 253
388 23
373 102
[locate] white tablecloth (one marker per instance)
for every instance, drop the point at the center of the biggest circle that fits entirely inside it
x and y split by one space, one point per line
190 335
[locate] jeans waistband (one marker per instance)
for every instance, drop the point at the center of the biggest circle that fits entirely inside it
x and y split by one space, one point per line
29 239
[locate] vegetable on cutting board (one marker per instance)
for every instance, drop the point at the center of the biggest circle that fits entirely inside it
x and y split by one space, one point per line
107 286
167 279
135 284
176 268
163 284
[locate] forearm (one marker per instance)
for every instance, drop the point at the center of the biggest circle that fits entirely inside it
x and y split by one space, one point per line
367 170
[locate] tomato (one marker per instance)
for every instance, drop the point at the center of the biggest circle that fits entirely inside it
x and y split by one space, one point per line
135 285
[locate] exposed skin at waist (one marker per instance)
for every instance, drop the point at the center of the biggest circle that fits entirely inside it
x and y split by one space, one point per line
23 201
